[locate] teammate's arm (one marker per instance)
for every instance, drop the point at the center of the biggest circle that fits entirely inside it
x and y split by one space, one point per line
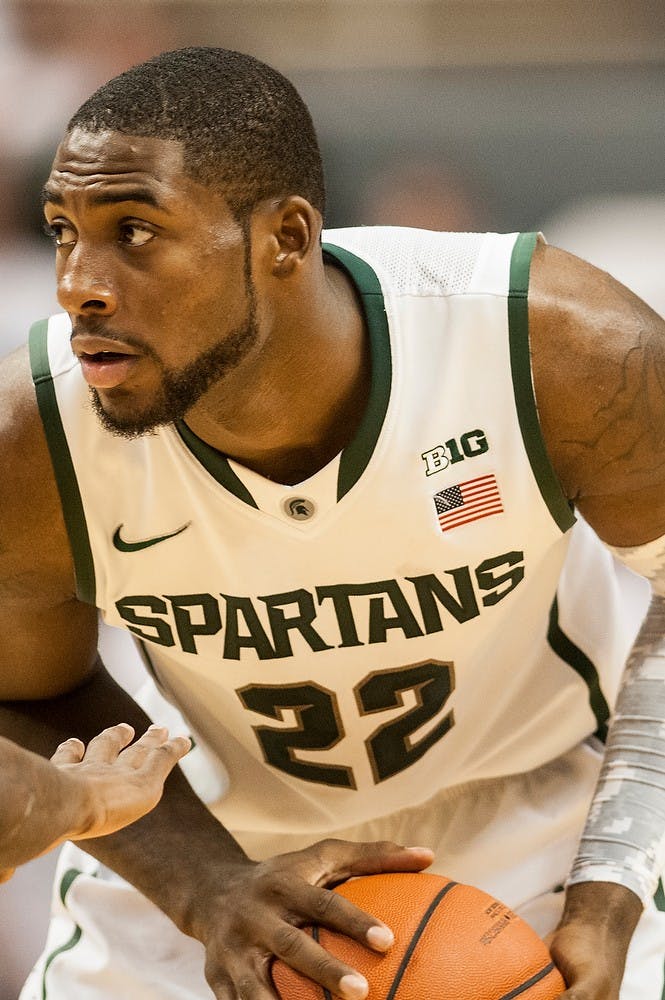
82 792
52 686
598 356
209 876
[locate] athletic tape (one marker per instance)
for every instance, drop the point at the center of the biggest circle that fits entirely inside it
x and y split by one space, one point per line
624 837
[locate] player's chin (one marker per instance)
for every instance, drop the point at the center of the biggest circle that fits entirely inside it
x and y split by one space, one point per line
122 415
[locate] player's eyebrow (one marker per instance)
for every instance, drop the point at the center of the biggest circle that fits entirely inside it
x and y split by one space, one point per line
139 194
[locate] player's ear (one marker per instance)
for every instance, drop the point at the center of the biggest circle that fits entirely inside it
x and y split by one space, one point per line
296 230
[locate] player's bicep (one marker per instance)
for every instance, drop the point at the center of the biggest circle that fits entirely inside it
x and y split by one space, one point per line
46 649
47 637
598 356
626 519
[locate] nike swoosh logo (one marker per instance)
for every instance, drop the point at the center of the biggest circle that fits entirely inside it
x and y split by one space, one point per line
122 546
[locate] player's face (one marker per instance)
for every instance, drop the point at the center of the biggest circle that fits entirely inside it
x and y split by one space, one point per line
154 272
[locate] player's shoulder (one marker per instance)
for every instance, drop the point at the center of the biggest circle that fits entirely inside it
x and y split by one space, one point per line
566 288
40 359
19 416
589 328
28 494
428 262
598 358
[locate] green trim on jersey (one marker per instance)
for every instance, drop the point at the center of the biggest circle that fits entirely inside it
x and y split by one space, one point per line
147 661
63 467
659 898
582 665
66 883
356 455
520 361
68 878
215 463
358 452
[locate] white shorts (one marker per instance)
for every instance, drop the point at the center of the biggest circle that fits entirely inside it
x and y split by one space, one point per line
514 837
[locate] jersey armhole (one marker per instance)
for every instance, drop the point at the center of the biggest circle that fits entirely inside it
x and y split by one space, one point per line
61 460
559 506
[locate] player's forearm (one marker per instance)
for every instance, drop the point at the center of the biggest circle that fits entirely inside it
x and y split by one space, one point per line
172 853
179 856
624 838
617 865
40 808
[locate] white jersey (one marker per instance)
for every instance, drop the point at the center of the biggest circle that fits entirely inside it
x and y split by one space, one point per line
418 615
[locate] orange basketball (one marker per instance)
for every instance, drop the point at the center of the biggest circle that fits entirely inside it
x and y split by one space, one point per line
452 942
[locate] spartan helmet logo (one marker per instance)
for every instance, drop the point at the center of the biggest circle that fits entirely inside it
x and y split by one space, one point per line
299 508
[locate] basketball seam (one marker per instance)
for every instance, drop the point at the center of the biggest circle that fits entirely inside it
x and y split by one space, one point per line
529 982
417 934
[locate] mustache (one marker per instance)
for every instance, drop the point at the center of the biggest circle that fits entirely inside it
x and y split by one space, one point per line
95 327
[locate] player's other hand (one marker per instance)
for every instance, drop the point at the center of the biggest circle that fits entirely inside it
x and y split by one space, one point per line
251 911
112 784
590 944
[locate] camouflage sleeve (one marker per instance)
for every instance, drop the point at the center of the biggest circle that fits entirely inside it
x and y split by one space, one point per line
624 837
648 560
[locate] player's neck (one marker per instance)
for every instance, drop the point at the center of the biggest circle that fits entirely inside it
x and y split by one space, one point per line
301 401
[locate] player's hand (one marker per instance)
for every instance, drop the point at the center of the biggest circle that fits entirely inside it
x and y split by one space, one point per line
590 944
114 784
258 908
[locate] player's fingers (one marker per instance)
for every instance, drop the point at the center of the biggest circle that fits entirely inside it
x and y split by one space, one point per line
244 979
69 752
154 736
389 858
239 978
299 950
161 760
156 752
341 859
105 747
330 909
178 746
226 990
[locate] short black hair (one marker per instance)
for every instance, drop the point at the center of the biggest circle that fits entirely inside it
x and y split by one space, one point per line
244 127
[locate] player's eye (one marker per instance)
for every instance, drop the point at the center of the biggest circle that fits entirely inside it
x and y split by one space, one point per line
62 234
134 235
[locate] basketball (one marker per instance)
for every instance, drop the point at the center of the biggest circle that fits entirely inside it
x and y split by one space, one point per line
452 942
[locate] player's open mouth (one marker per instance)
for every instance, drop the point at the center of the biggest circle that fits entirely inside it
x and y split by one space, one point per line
99 356
106 369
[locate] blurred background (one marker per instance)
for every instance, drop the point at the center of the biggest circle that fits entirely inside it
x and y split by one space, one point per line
445 114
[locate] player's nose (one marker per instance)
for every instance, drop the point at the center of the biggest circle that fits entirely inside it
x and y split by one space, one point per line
84 285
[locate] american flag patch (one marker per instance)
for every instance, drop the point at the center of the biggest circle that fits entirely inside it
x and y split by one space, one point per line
467 502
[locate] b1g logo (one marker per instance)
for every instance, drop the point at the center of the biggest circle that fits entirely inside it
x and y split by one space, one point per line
469 445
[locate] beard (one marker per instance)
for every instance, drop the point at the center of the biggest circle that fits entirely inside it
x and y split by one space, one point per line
180 390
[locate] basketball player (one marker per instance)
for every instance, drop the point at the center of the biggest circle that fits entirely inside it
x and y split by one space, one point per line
381 513
83 792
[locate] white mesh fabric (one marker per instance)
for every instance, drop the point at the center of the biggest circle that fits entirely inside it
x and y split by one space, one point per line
419 262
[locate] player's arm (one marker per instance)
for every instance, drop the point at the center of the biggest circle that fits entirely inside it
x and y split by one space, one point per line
598 356
214 892
82 792
53 686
